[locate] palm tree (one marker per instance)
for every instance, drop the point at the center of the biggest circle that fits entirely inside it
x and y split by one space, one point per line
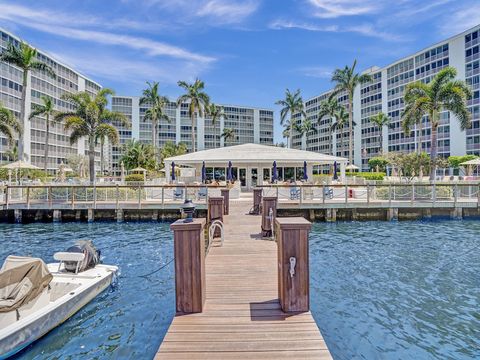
286 134
442 93
347 80
8 124
138 154
306 127
380 120
228 134
197 100
90 118
328 108
48 110
292 104
25 58
341 119
12 153
216 113
156 111
171 149
109 133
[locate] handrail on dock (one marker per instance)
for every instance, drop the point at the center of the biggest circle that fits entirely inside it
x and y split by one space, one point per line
115 195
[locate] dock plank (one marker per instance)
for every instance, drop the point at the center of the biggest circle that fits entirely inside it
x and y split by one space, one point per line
242 318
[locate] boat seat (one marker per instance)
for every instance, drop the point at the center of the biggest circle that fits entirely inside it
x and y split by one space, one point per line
70 257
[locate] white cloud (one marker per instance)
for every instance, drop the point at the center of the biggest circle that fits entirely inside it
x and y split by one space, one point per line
130 70
461 20
219 11
320 72
337 8
228 11
363 29
64 25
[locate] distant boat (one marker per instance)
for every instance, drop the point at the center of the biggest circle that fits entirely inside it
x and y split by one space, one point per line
59 295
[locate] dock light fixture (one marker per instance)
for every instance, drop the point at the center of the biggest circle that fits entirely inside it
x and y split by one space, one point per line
188 208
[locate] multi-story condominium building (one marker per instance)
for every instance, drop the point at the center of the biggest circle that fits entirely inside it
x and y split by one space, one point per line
67 80
250 125
385 94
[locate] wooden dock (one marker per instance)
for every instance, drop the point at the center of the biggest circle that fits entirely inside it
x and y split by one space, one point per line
242 317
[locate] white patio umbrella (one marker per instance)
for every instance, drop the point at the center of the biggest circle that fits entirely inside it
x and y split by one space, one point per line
18 165
351 167
470 164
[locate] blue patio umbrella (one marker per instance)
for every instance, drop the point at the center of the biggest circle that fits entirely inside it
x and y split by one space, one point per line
335 175
305 175
274 172
173 171
229 171
204 172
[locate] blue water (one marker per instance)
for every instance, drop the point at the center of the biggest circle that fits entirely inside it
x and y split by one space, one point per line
397 290
379 290
124 322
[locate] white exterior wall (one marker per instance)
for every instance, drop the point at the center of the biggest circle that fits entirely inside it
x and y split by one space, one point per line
357 134
458 140
136 117
256 126
385 111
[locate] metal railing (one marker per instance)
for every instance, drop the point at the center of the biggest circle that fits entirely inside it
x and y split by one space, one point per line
436 194
104 196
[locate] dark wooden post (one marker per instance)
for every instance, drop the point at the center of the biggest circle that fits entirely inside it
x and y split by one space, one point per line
257 201
267 222
215 211
226 200
293 263
189 249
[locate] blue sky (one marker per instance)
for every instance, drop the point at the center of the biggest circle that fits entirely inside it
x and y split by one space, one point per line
246 51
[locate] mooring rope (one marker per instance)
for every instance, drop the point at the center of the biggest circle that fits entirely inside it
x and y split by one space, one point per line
157 270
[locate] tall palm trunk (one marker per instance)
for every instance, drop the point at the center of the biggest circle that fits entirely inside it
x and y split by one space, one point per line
193 131
102 143
23 106
331 142
380 142
290 131
419 141
91 158
433 145
47 133
154 138
350 129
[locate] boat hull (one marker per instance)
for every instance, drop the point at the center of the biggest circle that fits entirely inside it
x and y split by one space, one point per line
37 325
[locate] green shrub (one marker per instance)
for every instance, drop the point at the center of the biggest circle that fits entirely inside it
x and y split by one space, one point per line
134 178
368 175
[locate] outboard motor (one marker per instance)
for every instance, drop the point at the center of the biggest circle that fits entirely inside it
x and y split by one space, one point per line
92 256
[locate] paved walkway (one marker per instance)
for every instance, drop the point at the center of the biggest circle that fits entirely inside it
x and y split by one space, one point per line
242 317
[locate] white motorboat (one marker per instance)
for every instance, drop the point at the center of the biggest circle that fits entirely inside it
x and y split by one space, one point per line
52 302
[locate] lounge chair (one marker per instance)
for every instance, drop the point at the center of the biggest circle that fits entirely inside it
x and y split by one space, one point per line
294 193
202 193
328 193
178 193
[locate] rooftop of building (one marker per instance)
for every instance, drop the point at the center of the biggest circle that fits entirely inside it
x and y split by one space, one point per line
255 153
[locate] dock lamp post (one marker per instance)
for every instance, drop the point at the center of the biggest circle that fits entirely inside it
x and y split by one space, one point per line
188 208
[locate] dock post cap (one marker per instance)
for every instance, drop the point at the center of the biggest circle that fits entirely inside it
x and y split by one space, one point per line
196 223
293 223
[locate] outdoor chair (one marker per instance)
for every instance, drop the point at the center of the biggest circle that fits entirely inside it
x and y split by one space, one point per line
178 193
328 193
202 193
294 193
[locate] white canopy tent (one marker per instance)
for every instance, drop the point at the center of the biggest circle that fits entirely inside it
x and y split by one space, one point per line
253 163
